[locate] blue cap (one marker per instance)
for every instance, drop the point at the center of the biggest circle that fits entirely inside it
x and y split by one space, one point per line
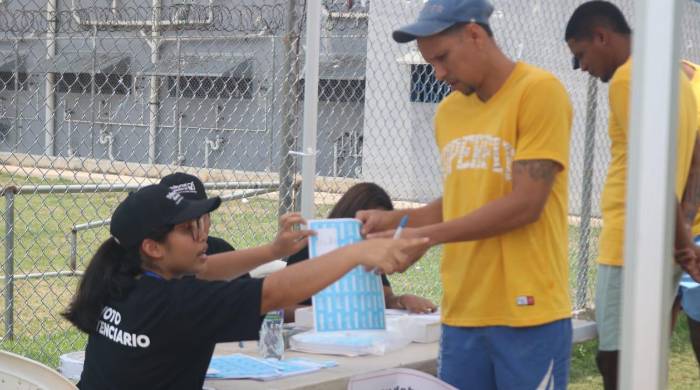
439 15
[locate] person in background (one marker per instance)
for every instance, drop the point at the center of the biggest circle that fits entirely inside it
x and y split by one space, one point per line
365 196
688 298
600 40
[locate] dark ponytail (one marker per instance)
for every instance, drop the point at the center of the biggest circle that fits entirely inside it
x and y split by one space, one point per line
109 276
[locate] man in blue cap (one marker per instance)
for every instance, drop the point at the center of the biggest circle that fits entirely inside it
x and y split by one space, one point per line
503 136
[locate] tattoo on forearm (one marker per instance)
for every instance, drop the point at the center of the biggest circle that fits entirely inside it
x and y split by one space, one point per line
695 194
539 170
691 195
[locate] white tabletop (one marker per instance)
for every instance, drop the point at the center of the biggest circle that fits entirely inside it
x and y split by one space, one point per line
421 357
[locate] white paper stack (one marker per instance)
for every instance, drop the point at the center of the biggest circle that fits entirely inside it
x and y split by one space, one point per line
349 343
419 328
304 317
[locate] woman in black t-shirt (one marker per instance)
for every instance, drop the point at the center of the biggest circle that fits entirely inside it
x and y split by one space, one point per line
364 196
150 327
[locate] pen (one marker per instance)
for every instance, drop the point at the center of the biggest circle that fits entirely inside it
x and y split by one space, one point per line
402 224
397 234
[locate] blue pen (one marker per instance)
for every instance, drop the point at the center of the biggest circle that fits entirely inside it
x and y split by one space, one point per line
397 234
402 224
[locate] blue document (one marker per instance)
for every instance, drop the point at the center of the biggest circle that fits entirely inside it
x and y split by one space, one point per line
356 301
240 366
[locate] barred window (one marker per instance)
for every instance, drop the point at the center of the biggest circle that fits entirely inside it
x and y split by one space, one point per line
7 81
108 84
211 87
425 88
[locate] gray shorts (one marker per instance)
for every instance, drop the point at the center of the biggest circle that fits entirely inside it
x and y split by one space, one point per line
608 304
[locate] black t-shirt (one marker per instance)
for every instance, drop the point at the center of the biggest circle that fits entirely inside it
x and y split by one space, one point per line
304 255
218 245
162 335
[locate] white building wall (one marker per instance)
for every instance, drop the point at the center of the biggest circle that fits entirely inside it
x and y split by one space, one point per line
399 149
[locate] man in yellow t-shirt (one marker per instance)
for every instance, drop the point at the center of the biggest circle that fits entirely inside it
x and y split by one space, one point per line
689 290
600 40
503 136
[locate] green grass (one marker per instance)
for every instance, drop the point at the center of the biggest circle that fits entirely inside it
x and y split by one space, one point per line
421 279
42 244
683 369
42 228
47 348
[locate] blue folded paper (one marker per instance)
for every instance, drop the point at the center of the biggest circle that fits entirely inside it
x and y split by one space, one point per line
240 366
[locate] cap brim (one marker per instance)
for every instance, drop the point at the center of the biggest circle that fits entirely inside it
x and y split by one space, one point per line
420 30
197 208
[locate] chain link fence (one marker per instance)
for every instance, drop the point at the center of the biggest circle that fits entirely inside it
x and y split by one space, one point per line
400 95
99 97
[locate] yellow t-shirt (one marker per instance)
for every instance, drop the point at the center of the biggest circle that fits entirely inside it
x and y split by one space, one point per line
695 85
613 199
519 278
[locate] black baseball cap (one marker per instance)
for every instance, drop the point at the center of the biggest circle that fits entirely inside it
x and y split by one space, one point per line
439 15
151 208
189 186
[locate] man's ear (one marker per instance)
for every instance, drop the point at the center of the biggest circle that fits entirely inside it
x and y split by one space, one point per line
688 70
601 36
476 34
474 31
152 248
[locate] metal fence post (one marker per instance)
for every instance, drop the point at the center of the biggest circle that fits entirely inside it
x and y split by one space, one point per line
290 68
310 124
73 249
586 196
9 194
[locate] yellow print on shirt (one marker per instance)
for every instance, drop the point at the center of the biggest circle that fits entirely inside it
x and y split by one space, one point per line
477 152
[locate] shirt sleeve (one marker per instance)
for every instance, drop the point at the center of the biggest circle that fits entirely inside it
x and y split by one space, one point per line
544 123
299 256
619 97
219 311
218 245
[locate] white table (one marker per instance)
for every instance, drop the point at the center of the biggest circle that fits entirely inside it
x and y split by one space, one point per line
421 357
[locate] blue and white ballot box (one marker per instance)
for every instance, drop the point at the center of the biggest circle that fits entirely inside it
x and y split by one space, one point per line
356 301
